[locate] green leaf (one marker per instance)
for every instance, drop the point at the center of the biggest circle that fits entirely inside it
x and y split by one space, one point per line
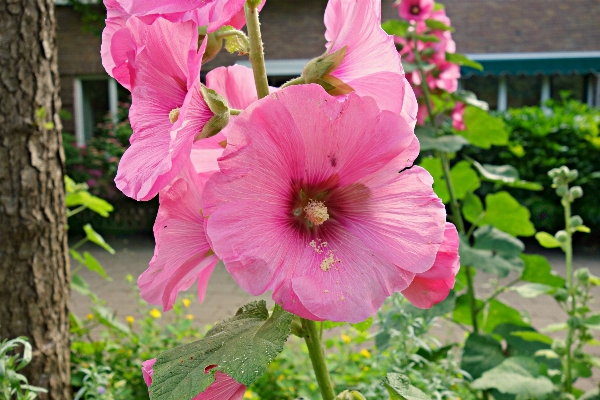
506 214
84 198
330 324
494 252
499 313
79 285
463 61
538 270
462 311
235 43
363 326
481 353
518 376
470 99
395 27
438 25
446 143
241 346
533 290
94 237
532 336
504 174
464 178
76 256
583 228
593 321
93 265
517 345
107 318
428 38
399 388
484 130
547 240
472 207
559 326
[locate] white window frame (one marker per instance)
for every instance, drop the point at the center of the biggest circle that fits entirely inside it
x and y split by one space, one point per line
113 103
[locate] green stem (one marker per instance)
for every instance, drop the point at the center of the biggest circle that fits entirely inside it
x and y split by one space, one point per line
79 244
235 111
456 214
257 57
568 248
317 357
296 81
70 213
233 32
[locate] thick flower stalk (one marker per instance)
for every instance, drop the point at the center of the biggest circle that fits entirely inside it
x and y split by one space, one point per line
330 223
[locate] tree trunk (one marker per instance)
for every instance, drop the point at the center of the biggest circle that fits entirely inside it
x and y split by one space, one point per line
34 267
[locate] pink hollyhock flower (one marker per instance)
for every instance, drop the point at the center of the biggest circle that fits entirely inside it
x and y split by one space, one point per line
445 45
431 287
182 254
224 387
309 203
116 43
415 10
458 113
235 83
422 113
446 78
168 110
371 65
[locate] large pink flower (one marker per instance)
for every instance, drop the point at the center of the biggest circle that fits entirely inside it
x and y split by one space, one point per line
116 43
371 66
310 203
182 254
235 83
224 387
167 111
431 287
415 10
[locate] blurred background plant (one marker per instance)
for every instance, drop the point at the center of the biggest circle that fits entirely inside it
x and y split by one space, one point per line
16 354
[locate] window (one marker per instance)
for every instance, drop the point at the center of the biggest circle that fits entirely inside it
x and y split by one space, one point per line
523 91
485 87
94 98
572 83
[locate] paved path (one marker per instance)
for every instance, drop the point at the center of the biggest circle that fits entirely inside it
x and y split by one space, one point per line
224 297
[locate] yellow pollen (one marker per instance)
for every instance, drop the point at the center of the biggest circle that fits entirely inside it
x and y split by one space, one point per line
174 115
328 262
316 212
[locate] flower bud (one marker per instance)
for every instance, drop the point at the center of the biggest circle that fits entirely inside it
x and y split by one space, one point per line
350 395
572 175
213 47
578 353
576 192
561 190
219 107
574 322
553 173
582 275
561 236
575 221
559 347
318 71
561 295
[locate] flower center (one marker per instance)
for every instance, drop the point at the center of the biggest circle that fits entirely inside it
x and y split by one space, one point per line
415 10
316 212
174 115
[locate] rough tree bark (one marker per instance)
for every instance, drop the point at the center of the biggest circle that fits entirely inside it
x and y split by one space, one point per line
34 267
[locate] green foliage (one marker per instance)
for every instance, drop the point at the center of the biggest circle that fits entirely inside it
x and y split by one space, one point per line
506 214
14 385
484 130
400 388
241 347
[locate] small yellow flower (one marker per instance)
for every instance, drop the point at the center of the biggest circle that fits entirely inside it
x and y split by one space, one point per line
280 378
155 313
90 316
129 319
365 369
346 338
248 394
186 302
365 353
190 317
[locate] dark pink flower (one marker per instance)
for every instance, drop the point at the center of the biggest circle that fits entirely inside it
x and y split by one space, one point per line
309 203
182 255
223 387
371 65
431 287
458 113
415 10
168 111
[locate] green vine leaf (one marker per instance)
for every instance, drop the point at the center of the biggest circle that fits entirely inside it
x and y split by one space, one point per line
481 353
538 270
241 346
505 213
484 130
399 388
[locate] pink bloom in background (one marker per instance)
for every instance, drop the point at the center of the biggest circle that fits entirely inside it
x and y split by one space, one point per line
458 113
447 77
224 387
371 66
309 203
116 43
422 113
182 254
431 287
167 111
415 10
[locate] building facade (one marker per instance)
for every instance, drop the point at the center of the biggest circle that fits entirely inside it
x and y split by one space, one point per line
531 50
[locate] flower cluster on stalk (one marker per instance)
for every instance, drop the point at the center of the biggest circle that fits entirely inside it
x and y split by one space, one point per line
310 192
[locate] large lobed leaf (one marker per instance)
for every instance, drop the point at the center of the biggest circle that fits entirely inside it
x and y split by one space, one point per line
241 346
483 130
399 388
494 251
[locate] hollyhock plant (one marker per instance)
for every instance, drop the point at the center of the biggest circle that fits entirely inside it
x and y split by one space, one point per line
224 387
415 10
458 114
182 254
364 57
432 286
329 223
168 110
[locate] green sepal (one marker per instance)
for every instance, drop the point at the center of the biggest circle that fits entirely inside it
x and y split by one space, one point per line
219 107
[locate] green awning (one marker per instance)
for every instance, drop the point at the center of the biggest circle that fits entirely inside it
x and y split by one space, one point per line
535 63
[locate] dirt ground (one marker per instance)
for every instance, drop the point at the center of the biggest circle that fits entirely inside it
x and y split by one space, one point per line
224 297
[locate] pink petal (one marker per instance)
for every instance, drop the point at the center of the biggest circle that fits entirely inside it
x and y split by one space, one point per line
235 83
116 43
433 286
147 371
